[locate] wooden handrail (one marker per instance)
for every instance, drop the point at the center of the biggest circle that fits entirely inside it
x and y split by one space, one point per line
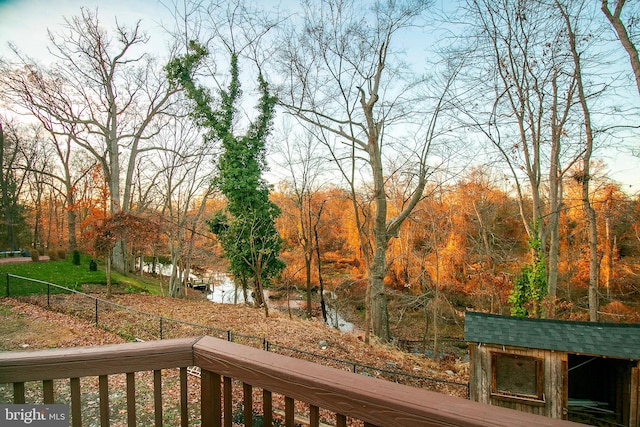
372 400
348 395
95 361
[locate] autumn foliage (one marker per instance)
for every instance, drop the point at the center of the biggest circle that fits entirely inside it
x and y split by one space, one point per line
466 240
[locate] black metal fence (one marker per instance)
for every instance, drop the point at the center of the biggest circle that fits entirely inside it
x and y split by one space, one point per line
136 325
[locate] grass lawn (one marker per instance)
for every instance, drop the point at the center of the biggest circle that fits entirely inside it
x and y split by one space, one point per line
65 273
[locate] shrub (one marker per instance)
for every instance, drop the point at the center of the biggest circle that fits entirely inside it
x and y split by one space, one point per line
76 258
53 255
62 254
93 266
35 255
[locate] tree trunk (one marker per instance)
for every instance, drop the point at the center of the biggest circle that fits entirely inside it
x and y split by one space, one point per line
259 287
435 306
175 290
593 254
71 228
107 259
585 175
378 298
323 305
307 267
623 36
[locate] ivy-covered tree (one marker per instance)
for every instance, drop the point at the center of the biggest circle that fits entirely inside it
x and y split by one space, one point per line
530 286
246 228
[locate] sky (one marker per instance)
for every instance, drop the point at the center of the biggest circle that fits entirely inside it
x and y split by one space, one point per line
25 23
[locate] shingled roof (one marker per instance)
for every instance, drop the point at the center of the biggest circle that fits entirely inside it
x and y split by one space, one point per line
620 340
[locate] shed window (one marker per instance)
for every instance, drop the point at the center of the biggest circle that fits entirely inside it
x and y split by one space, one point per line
517 376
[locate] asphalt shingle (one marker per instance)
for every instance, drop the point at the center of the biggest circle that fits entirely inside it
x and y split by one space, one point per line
620 340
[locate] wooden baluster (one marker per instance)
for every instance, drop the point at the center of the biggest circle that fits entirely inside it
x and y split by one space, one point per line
76 405
103 386
289 412
184 401
314 416
341 420
267 408
157 396
18 393
210 399
247 392
228 402
47 391
131 399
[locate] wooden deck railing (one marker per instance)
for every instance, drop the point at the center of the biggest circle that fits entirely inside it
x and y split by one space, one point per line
236 378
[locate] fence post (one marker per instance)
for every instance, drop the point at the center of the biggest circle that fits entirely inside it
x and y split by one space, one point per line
7 284
48 295
160 327
96 312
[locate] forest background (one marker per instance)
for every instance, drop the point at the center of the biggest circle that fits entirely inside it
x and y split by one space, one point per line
437 157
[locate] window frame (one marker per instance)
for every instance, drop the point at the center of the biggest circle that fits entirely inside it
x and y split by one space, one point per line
538 397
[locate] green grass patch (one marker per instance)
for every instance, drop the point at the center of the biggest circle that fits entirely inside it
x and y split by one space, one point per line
65 273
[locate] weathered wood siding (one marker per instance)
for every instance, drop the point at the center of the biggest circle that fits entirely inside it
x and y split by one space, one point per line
634 418
554 386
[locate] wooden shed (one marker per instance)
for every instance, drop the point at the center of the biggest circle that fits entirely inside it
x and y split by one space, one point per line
581 371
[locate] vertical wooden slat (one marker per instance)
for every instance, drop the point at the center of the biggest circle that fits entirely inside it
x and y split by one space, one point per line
18 393
210 399
131 399
228 402
76 404
634 417
103 386
314 416
565 389
157 396
217 399
247 392
289 413
47 391
267 408
184 402
341 420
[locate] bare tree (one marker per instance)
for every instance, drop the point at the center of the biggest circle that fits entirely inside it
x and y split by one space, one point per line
622 30
306 171
530 84
72 164
186 170
103 91
346 78
571 17
12 179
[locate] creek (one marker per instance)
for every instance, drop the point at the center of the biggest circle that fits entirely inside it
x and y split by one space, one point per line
221 289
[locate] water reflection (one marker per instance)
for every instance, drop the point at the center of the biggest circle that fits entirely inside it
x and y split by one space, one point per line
222 290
